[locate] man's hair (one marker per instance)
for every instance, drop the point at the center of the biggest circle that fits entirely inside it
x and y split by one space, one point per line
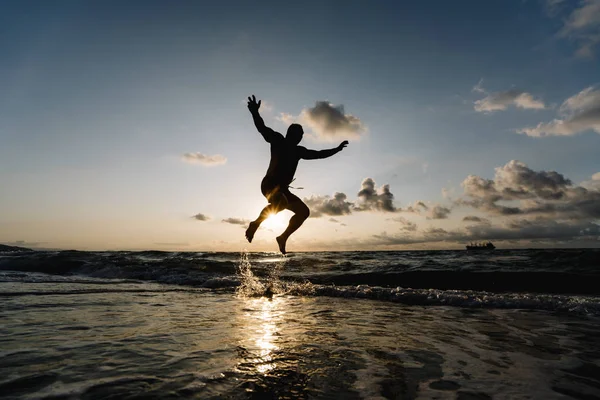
294 128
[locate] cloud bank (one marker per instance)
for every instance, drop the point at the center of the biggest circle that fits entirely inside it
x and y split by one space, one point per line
534 199
522 205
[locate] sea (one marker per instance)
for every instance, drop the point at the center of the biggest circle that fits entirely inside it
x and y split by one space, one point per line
504 324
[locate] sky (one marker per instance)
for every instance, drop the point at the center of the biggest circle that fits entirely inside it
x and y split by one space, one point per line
123 125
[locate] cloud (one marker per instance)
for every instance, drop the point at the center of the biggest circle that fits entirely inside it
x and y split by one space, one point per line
448 193
372 199
201 217
517 190
416 207
325 205
525 230
199 158
500 101
579 113
593 183
479 87
439 212
552 7
408 226
369 199
328 122
583 27
473 218
236 221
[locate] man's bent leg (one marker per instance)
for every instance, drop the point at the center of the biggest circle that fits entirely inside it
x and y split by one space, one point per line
301 213
278 203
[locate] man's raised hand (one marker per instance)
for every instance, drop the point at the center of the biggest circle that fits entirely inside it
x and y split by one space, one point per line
253 106
342 145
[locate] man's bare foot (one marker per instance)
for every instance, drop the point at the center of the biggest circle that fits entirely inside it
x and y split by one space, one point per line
281 242
251 231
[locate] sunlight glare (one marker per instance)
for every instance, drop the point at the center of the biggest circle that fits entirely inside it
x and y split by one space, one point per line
276 222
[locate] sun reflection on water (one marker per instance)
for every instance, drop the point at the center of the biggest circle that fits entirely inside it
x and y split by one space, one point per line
263 317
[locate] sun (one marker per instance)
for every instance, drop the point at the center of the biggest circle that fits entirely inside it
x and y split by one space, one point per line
276 222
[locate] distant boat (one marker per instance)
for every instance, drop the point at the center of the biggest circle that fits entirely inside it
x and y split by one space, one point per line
481 246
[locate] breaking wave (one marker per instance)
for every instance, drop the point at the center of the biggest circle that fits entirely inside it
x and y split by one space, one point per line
504 280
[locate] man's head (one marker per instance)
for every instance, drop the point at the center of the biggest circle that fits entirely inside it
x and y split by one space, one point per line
294 133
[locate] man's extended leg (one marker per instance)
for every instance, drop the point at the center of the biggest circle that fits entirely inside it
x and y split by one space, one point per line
301 213
278 203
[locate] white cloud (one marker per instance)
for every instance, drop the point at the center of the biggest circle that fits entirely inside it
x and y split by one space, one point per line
328 122
203 159
500 101
587 99
479 87
592 184
582 26
579 113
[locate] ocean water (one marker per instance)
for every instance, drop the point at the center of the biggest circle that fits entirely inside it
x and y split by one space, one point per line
510 324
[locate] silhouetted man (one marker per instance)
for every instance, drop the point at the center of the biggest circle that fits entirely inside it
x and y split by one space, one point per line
285 154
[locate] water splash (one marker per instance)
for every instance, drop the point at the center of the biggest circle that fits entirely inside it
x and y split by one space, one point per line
252 286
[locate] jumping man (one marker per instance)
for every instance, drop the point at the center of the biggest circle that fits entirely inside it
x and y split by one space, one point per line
285 154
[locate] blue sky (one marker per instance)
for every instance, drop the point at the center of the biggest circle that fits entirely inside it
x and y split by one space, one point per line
102 99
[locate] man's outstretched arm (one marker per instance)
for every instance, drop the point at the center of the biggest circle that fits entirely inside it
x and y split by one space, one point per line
318 154
268 133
